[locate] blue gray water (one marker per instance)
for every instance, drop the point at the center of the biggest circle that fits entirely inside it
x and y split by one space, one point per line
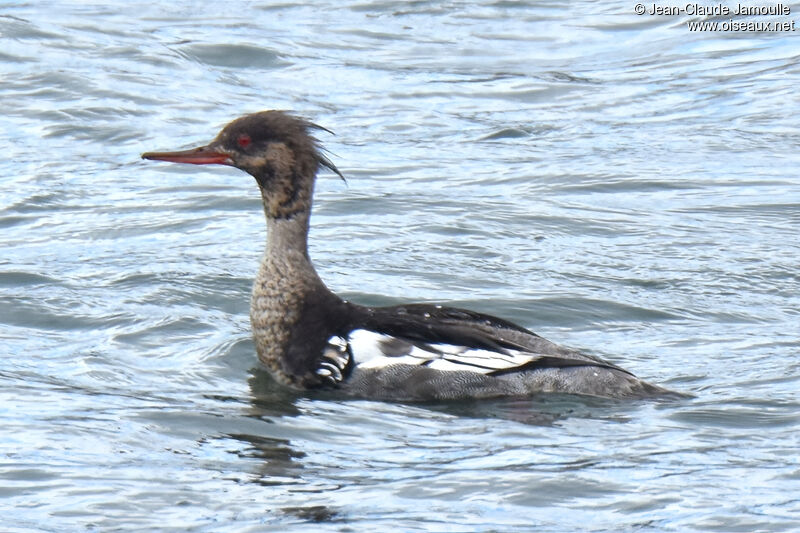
614 182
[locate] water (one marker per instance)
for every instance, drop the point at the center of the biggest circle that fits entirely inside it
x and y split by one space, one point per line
614 182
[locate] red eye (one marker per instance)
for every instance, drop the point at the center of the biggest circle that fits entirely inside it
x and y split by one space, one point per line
244 140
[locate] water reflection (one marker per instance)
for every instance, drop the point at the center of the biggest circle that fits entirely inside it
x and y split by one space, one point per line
269 398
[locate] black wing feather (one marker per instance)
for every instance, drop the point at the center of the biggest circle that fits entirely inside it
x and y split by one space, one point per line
425 324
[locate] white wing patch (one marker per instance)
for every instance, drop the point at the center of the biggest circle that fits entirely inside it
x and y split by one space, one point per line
375 350
336 359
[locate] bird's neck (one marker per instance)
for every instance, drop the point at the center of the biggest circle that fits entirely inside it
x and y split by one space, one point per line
286 259
288 237
283 288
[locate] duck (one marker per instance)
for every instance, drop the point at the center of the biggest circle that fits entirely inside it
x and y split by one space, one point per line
308 338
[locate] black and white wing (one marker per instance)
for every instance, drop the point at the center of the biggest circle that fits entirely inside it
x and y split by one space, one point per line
375 350
444 339
371 350
337 361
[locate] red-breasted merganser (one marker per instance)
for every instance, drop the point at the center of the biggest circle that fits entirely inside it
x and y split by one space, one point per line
308 338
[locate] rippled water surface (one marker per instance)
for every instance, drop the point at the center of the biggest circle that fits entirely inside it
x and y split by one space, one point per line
614 182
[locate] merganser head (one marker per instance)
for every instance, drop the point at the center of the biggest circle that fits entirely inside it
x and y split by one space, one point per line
274 147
